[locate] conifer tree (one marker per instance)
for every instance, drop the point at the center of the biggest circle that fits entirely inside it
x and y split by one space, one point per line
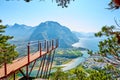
111 45
7 51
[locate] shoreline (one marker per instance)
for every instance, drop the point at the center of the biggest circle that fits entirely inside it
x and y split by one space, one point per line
74 62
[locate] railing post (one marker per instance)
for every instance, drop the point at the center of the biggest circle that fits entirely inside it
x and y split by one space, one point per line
40 49
28 55
5 68
38 45
47 47
52 44
14 76
28 52
57 43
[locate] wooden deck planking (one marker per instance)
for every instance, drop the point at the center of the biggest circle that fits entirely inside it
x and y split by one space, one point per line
19 63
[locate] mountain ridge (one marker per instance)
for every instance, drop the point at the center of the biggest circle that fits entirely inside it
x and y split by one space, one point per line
19 31
45 30
53 30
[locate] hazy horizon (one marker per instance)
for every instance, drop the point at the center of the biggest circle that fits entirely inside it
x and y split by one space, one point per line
46 21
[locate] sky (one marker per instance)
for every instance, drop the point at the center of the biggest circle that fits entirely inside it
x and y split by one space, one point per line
81 15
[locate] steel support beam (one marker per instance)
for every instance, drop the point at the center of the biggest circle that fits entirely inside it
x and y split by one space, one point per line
14 76
43 63
40 66
27 66
40 46
47 65
51 63
32 67
22 72
27 75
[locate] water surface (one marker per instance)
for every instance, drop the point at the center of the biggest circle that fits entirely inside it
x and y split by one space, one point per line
89 43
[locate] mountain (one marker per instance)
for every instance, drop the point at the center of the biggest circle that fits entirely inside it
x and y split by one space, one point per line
20 32
53 30
84 35
47 30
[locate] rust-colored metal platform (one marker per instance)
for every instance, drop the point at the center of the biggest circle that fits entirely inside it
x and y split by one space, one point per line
21 62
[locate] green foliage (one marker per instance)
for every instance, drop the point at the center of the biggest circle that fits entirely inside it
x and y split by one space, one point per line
80 73
63 56
106 30
99 75
108 47
7 52
0 20
69 53
99 60
27 0
90 52
112 69
111 45
59 75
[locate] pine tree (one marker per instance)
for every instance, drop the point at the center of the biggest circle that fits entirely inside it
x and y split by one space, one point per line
7 51
111 45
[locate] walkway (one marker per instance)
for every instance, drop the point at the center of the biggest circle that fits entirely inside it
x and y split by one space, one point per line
19 63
